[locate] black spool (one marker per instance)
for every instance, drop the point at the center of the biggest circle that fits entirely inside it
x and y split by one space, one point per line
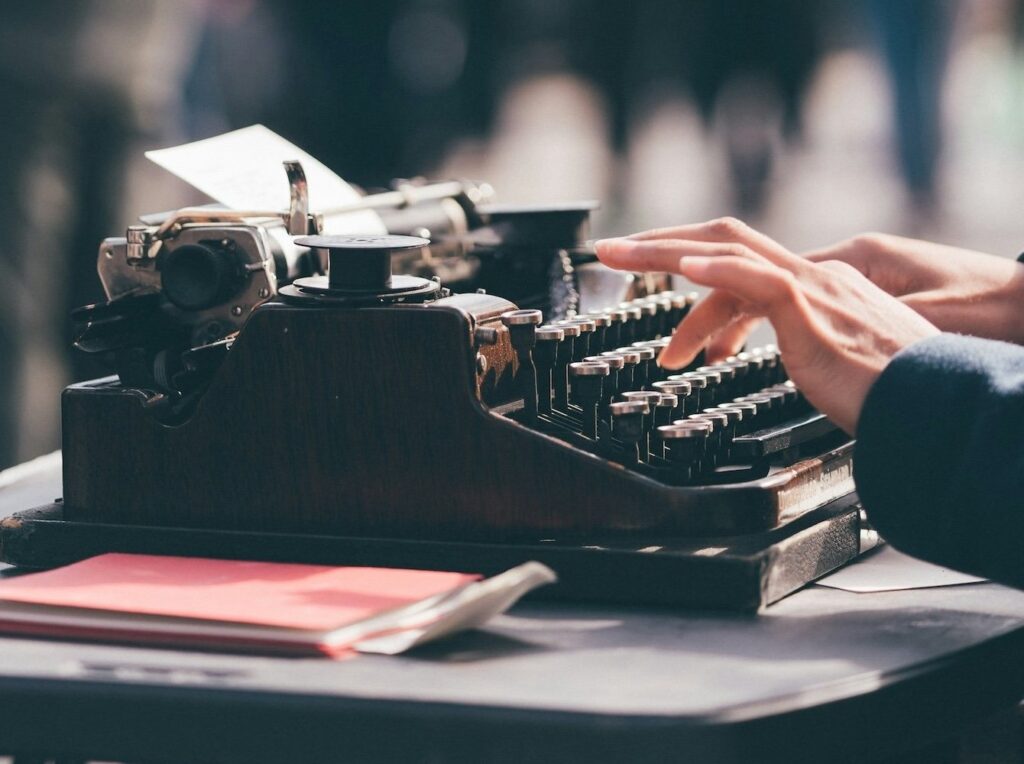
359 270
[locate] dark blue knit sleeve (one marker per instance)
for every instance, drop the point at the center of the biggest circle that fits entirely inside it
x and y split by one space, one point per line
939 461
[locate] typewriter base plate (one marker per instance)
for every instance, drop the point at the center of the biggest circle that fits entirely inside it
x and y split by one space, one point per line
742 573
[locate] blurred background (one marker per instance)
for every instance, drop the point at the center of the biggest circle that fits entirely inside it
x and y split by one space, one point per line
812 119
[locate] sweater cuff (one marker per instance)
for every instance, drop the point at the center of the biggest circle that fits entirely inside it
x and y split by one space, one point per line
909 438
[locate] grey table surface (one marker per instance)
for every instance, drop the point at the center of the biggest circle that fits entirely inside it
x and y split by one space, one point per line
557 666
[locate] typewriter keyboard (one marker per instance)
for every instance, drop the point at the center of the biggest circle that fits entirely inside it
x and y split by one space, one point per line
593 381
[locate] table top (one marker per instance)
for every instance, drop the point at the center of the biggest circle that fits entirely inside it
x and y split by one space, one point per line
808 672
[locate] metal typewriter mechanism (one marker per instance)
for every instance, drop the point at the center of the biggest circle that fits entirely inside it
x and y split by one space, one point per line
359 414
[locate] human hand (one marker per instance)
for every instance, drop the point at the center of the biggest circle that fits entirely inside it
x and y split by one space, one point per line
836 329
958 290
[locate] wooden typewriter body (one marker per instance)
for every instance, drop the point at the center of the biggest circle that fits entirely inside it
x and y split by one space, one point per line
350 429
381 421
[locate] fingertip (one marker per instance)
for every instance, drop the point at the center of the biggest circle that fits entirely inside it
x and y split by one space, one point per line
671 361
614 247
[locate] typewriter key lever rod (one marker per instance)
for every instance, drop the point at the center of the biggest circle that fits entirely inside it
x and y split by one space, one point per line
522 329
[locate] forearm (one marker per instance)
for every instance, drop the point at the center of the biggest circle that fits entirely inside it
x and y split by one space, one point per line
940 454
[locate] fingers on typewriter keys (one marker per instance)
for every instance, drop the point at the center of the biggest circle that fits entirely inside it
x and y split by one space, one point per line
522 329
685 445
544 357
628 426
587 378
565 356
610 387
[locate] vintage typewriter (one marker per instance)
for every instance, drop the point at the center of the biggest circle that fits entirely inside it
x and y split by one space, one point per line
285 394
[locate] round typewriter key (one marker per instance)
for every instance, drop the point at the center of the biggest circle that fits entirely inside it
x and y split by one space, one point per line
647 369
746 413
611 385
614 361
686 445
789 393
587 325
764 408
599 342
522 318
650 396
732 417
589 369
581 346
677 387
663 320
624 380
566 355
549 333
716 442
664 411
698 386
648 319
712 393
631 326
613 337
545 354
629 373
587 389
779 400
680 307
628 427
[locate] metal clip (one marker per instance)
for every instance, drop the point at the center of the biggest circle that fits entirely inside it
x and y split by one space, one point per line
298 206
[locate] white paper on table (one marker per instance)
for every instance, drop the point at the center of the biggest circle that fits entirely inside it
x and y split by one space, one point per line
889 570
467 608
244 170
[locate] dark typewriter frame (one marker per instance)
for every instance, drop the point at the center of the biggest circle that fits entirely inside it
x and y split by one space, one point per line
369 422
380 426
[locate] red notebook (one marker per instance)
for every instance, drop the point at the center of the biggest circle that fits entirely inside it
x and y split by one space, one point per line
219 603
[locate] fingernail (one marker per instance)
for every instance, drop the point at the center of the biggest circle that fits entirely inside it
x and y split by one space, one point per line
693 264
618 241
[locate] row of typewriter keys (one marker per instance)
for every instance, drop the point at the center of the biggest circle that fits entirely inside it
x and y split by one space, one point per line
597 375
